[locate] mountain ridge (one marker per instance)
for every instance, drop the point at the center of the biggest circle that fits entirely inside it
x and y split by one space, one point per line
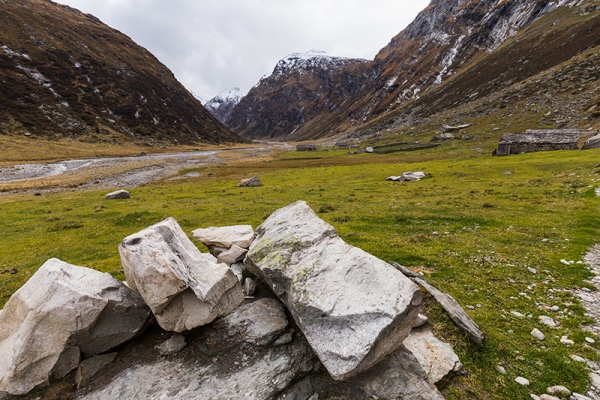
66 74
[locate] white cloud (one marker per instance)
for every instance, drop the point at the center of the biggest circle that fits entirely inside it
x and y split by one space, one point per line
213 45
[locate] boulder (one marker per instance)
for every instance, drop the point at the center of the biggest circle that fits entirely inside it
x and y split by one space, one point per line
258 323
118 195
183 287
226 236
250 182
327 285
407 176
61 312
436 357
232 255
454 310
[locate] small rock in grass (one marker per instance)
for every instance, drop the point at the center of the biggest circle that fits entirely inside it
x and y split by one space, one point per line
517 314
250 182
595 380
565 262
536 333
559 391
547 321
590 340
118 195
548 397
566 341
555 308
470 307
501 369
522 381
577 358
532 270
534 396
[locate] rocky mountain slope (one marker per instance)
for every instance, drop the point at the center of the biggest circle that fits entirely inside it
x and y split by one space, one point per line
221 105
454 52
66 74
301 88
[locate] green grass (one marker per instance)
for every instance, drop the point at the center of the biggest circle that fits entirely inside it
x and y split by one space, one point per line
473 228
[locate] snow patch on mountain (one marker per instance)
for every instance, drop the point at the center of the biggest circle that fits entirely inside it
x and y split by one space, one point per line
310 60
221 105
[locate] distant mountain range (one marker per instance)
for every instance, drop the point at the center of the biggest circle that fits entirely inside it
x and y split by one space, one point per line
221 105
453 53
66 74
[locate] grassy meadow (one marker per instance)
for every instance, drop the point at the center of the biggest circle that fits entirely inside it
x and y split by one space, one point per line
473 227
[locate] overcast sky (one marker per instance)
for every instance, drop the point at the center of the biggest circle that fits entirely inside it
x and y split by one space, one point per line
213 45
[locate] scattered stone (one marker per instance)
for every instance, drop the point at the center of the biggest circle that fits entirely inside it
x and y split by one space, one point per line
249 287
566 341
565 262
548 397
183 288
172 345
454 310
555 308
532 270
90 367
536 333
226 236
577 396
118 195
407 176
327 284
238 270
470 307
250 182
501 369
534 396
232 255
547 321
595 380
559 391
436 357
577 358
258 323
369 150
517 314
590 340
522 381
421 320
63 310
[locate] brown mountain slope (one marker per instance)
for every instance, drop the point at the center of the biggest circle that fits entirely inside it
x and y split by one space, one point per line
453 53
553 40
66 74
302 87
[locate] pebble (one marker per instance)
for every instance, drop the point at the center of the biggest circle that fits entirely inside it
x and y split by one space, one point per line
470 307
559 391
565 262
547 321
532 270
534 396
577 396
577 358
555 308
590 340
566 341
517 314
548 397
501 369
522 381
536 333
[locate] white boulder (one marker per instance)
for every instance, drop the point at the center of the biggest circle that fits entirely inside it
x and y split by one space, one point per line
226 236
183 287
62 312
328 286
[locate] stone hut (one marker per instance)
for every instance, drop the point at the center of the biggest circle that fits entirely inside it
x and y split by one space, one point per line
538 140
306 147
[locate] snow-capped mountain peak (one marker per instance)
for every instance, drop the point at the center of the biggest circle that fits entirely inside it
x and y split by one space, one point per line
221 104
311 59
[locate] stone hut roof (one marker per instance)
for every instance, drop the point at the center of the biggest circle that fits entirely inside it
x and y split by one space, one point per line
554 136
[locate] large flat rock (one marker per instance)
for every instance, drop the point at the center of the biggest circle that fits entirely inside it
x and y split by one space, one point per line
62 312
225 236
353 308
183 287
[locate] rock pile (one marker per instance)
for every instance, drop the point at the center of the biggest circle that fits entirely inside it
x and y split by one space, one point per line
407 177
354 316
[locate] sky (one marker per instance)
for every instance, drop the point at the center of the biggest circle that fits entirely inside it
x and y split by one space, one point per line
214 45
